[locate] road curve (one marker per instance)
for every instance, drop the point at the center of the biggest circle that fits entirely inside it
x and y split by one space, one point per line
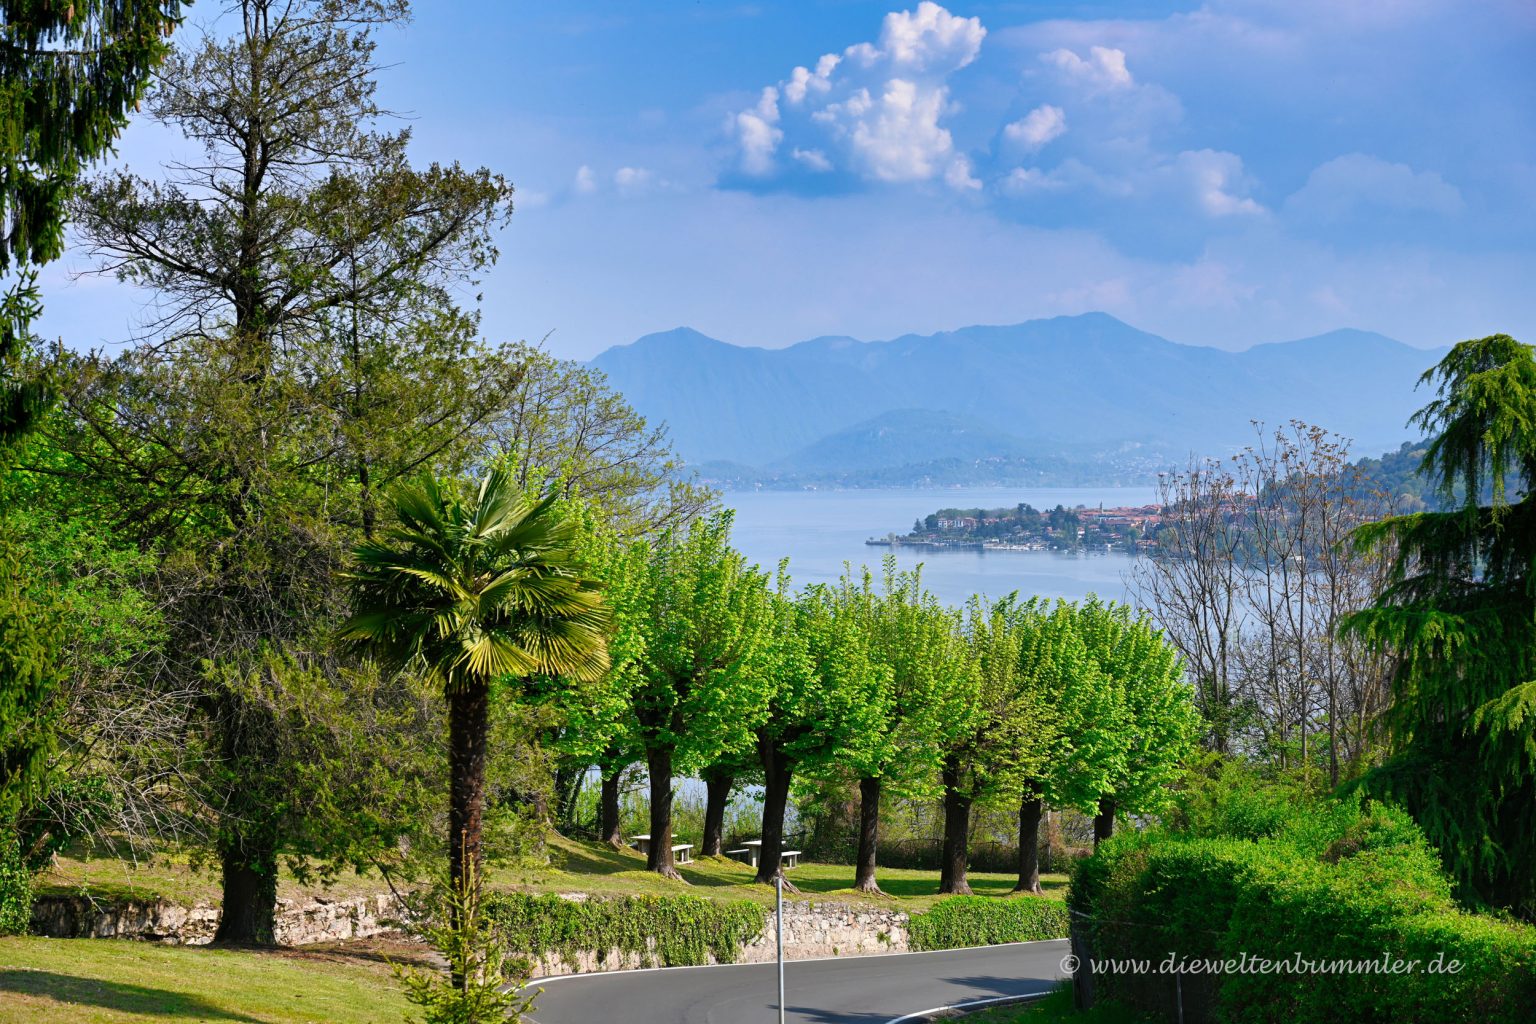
841 990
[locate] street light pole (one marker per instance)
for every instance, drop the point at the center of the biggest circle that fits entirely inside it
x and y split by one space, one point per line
778 886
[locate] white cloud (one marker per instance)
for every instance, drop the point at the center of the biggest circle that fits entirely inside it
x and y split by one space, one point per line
875 110
758 134
631 179
1103 70
815 159
1349 184
958 175
1038 127
1026 181
930 37
585 182
1217 181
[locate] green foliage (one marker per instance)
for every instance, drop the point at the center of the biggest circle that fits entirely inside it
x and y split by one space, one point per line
477 989
467 591
1264 872
1459 617
30 675
15 888
698 693
69 74
1150 713
663 931
960 921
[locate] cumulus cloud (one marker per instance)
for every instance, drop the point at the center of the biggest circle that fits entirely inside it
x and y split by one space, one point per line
585 181
631 179
1217 181
758 133
874 111
1102 70
1356 183
1037 127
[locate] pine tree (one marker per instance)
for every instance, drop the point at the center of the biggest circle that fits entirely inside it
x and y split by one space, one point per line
69 74
1460 615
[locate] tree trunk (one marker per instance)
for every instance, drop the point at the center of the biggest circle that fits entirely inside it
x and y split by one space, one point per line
608 811
777 774
717 785
1104 821
659 857
1030 810
957 828
468 710
250 893
869 834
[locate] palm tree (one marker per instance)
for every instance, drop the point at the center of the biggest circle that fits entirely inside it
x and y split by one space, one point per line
468 591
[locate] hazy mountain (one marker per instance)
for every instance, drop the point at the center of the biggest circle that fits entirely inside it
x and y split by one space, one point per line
1081 387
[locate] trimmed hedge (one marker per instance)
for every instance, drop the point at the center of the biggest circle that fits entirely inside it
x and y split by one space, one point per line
1322 881
663 931
961 921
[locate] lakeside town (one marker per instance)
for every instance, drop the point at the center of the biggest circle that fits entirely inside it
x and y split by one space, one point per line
1024 528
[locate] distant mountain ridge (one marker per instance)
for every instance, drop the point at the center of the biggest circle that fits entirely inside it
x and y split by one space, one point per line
1085 389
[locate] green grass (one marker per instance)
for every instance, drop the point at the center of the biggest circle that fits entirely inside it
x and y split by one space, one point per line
573 867
94 981
172 878
1056 1008
599 869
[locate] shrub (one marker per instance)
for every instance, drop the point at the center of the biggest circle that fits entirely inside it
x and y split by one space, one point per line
986 921
1324 880
15 889
663 931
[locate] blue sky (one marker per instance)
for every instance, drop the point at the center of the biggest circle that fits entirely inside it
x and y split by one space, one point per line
1225 173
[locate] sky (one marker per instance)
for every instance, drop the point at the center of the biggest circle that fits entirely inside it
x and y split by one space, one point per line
1226 173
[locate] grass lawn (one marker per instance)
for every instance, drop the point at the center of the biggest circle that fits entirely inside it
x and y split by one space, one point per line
1056 1008
573 867
595 868
94 981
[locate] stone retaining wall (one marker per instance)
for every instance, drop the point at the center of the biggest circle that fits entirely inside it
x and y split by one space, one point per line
298 923
811 930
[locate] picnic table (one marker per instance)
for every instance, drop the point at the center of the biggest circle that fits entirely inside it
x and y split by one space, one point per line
682 853
752 852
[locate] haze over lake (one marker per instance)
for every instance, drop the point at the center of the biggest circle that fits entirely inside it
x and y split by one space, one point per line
819 530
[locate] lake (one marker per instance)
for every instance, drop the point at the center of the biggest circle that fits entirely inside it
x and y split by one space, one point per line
820 530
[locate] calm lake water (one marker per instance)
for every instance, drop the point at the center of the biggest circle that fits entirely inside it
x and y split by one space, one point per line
820 530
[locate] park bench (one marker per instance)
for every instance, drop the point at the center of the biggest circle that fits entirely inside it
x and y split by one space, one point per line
752 853
682 853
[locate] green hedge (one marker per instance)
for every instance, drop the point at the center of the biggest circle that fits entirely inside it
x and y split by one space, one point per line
1324 880
15 889
987 921
663 931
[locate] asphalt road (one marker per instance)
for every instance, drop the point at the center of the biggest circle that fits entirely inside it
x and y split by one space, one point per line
844 990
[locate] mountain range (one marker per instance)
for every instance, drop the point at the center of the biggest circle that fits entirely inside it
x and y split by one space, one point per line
1071 399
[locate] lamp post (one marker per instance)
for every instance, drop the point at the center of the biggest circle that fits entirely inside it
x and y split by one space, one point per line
778 887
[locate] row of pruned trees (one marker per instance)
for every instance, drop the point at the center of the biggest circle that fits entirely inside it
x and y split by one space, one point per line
722 671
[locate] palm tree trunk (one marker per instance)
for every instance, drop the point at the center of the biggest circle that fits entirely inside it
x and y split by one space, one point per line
1030 810
717 784
957 829
468 713
869 834
658 858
